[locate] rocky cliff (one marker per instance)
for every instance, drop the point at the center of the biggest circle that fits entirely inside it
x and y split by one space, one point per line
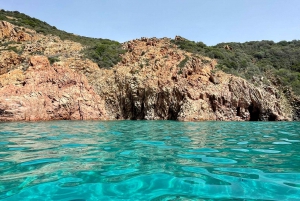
32 89
154 80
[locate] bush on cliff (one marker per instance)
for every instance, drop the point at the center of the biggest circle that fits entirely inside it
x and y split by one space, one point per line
183 62
52 60
105 53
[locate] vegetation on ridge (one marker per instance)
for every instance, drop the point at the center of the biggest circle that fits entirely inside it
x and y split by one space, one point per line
279 62
104 52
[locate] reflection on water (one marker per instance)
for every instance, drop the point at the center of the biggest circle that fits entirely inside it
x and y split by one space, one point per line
149 160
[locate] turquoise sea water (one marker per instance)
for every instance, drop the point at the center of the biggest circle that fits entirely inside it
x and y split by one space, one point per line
149 160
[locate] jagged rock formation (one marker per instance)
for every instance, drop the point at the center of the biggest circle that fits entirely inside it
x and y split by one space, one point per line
10 32
294 101
9 61
151 82
47 92
30 42
154 80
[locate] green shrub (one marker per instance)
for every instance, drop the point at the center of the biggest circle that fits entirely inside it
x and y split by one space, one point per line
13 48
52 60
105 54
183 62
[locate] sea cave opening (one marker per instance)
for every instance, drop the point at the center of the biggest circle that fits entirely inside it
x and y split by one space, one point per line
272 117
238 111
254 113
172 115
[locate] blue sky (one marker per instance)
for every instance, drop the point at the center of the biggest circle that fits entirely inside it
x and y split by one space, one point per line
209 21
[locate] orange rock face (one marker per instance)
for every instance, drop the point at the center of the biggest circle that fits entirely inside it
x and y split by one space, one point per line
9 60
154 80
49 93
12 33
159 81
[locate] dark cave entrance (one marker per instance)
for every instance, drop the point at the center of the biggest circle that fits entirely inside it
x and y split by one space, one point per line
272 117
254 113
238 111
172 115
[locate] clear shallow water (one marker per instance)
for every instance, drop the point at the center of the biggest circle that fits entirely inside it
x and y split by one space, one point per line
149 160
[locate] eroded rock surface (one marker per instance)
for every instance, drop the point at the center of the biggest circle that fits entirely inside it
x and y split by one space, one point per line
10 32
50 92
9 60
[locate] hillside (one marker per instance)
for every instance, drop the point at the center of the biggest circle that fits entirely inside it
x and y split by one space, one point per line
102 51
48 74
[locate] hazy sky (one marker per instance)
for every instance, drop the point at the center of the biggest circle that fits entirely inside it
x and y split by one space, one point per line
210 21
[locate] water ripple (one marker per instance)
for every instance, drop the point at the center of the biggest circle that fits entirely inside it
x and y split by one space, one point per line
149 160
